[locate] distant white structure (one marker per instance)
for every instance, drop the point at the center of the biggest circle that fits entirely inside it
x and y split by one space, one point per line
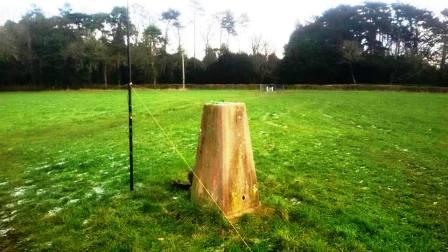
268 87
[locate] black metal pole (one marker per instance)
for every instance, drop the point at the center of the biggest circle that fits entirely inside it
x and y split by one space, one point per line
131 156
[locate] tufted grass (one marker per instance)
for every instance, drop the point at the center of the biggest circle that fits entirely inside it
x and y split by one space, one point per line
337 170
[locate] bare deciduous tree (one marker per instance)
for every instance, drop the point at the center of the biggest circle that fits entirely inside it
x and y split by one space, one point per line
198 10
351 52
255 44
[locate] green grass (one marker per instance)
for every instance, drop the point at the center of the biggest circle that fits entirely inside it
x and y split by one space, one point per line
337 170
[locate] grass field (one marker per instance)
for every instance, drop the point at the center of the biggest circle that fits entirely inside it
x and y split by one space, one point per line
337 170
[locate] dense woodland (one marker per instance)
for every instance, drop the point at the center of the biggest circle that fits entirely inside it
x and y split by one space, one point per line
369 43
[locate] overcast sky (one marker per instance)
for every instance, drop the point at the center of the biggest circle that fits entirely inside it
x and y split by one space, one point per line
273 20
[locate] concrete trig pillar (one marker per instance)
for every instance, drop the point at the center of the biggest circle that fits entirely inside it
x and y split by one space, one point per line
224 162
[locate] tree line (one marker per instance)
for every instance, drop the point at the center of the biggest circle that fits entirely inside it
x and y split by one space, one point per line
368 43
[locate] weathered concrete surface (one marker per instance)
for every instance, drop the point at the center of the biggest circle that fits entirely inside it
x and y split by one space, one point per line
224 162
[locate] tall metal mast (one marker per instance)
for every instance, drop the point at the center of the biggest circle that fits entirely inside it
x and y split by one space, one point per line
131 155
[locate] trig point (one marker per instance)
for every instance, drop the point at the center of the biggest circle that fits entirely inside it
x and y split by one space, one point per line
224 162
